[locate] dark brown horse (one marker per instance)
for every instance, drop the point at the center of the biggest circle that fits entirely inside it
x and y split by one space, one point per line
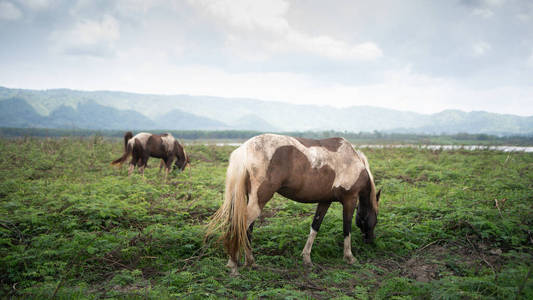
143 145
307 171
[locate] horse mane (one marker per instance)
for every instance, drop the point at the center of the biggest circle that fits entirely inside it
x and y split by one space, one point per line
373 197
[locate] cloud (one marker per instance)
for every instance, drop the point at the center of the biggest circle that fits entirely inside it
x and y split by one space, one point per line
37 4
260 28
494 2
333 48
480 48
88 37
246 15
485 8
8 11
523 17
483 12
530 60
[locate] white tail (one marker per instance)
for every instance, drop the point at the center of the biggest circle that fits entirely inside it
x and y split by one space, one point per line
231 216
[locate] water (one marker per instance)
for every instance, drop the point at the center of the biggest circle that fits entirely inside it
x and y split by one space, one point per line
430 147
455 147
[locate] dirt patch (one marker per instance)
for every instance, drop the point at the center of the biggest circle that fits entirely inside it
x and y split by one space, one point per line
431 262
421 269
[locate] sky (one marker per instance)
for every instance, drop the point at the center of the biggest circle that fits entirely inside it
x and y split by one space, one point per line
423 56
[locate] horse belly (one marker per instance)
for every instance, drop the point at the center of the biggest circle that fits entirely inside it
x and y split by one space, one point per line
311 186
307 195
158 154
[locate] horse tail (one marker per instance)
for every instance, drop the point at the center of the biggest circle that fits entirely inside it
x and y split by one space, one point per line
127 137
127 150
231 216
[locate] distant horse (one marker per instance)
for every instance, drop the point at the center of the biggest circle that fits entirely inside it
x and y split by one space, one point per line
304 170
143 145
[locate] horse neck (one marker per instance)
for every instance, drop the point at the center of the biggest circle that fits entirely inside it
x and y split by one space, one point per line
368 199
372 200
180 152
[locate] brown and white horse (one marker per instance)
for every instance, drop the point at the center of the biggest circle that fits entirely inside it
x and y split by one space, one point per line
143 145
304 170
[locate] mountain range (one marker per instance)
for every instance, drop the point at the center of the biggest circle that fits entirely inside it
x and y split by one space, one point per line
63 108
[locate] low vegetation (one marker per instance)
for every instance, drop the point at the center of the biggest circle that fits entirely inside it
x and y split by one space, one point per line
452 224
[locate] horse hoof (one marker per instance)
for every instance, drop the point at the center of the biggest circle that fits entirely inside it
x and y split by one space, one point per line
234 273
252 266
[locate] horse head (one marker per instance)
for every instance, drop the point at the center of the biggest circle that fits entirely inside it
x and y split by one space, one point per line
367 215
182 159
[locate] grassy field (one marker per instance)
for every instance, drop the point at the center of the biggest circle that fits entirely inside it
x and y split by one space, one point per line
452 225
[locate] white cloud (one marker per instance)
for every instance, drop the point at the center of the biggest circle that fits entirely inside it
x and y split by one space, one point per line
524 17
37 4
246 15
136 5
480 48
8 11
402 88
333 48
483 12
487 7
530 60
260 28
494 2
148 46
88 37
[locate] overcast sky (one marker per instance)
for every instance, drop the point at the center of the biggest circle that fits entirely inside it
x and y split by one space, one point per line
423 56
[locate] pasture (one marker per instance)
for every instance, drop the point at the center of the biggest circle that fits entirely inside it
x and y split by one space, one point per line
452 224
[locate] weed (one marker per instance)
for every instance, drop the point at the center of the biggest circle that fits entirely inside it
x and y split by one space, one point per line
452 224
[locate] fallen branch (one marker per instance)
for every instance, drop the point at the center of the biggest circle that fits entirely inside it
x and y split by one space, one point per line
57 288
482 258
427 245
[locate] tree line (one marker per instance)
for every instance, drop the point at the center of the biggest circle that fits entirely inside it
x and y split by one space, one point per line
356 137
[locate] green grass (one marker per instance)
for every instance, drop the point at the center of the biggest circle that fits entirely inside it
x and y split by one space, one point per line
72 226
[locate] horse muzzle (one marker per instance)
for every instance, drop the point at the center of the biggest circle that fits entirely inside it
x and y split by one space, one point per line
368 238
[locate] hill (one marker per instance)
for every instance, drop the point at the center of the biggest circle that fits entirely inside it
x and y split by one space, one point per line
63 108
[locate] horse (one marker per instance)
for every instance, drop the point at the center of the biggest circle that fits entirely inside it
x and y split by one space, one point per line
303 170
143 145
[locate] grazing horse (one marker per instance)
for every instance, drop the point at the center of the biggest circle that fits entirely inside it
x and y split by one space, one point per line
303 170
143 145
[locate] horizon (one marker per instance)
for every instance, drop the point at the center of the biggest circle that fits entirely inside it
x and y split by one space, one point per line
254 99
467 55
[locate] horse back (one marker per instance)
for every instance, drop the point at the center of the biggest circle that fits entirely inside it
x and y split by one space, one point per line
304 170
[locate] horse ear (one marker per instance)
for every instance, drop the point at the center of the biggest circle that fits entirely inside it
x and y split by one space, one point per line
377 195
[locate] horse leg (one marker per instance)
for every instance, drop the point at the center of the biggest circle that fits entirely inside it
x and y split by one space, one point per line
164 162
249 260
253 213
141 169
168 165
348 208
133 162
143 164
161 166
321 210
257 200
253 210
